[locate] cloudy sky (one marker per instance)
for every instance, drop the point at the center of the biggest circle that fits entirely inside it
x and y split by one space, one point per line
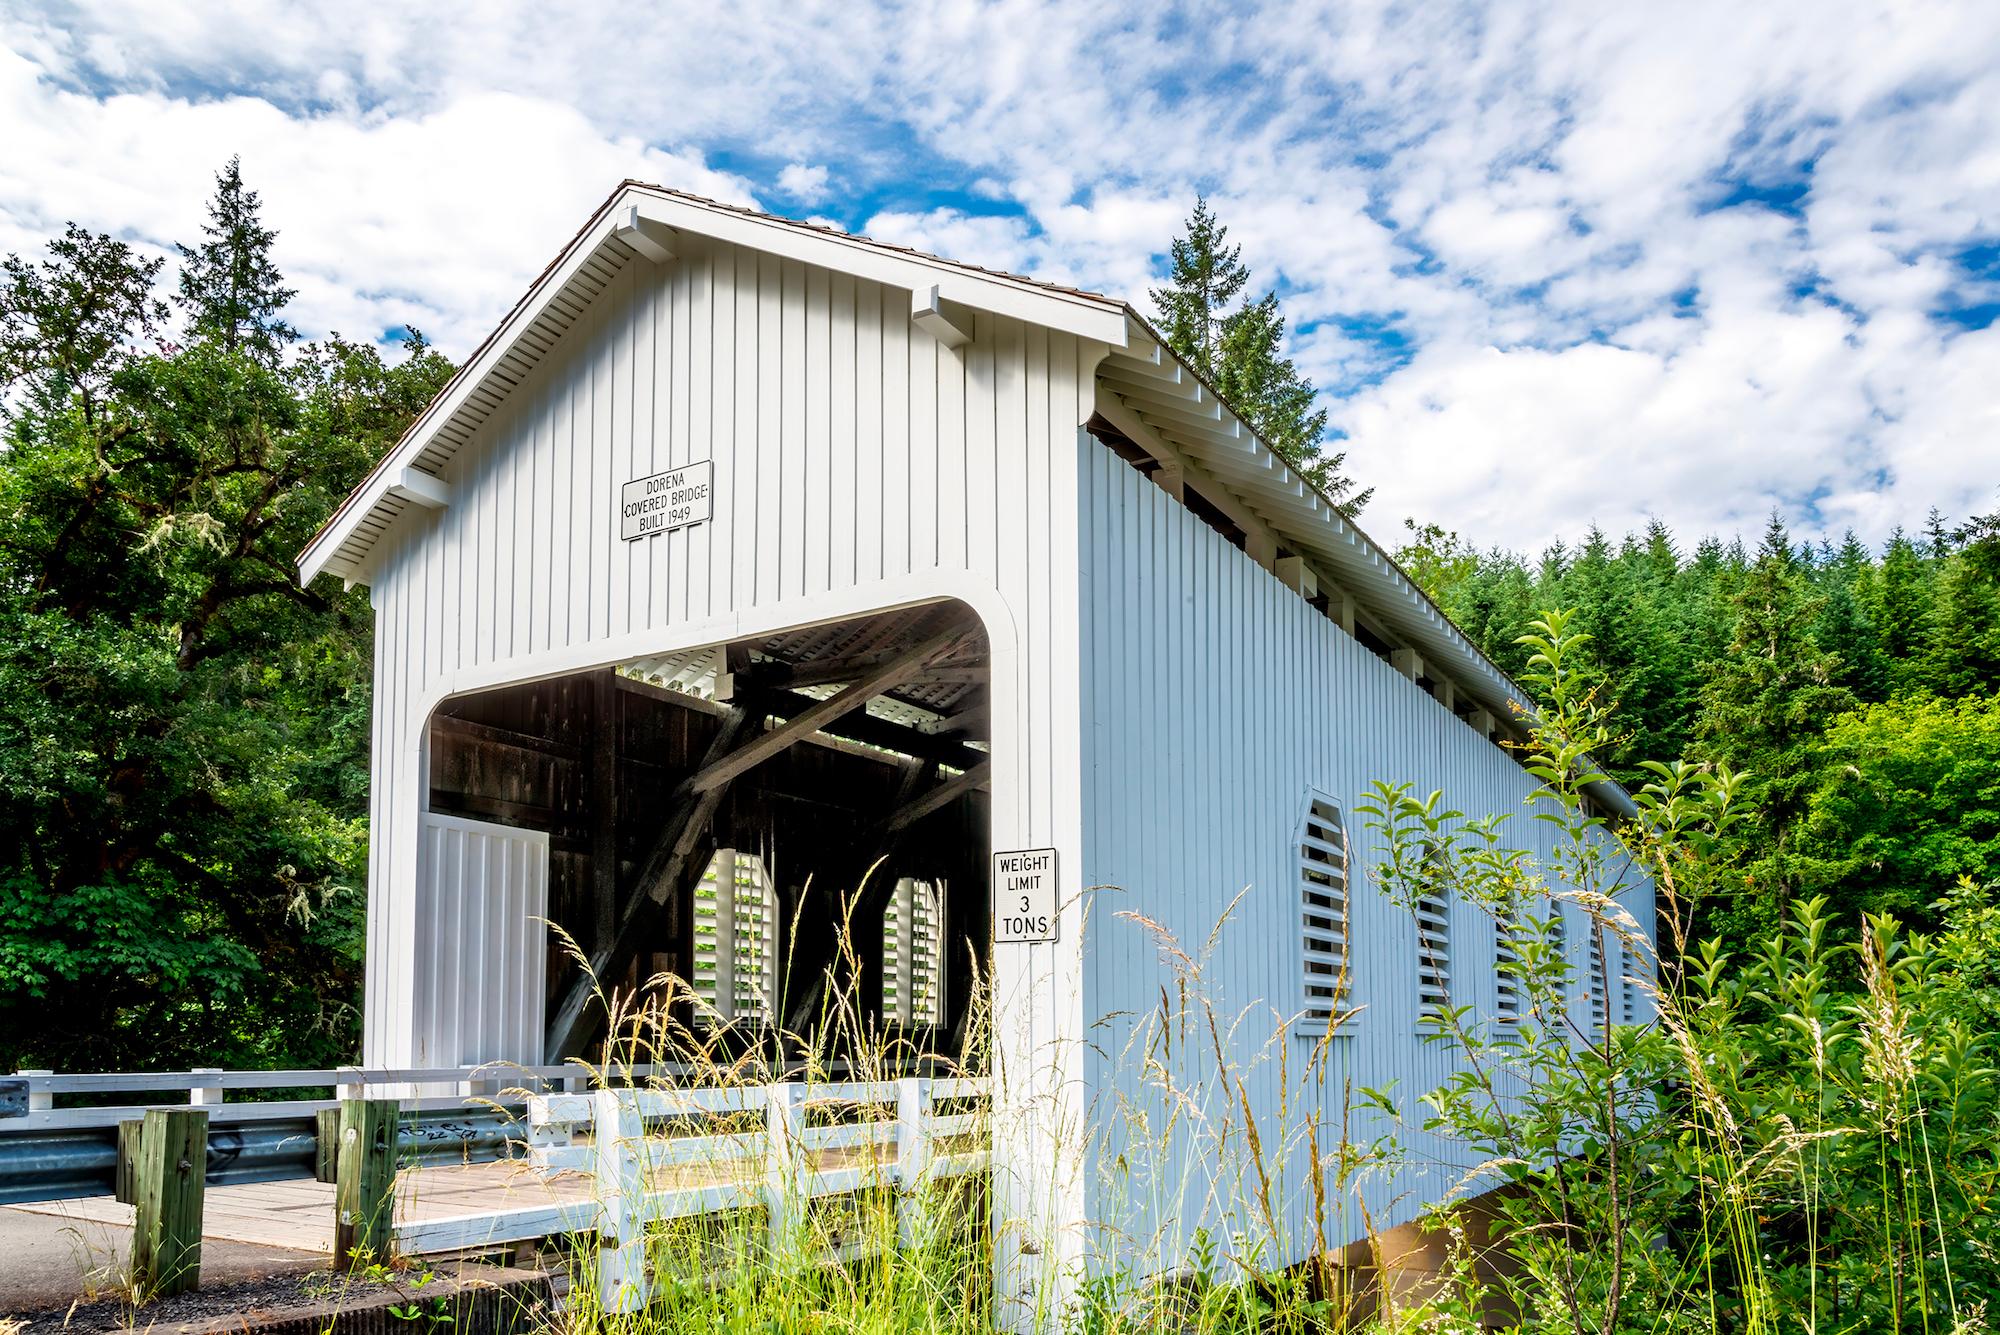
1551 263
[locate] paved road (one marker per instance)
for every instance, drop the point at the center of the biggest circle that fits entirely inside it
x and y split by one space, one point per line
50 1261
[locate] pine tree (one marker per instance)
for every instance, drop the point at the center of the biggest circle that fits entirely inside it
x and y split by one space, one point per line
1980 538
1205 276
1240 352
1937 538
1903 610
1964 652
232 292
1844 630
1765 707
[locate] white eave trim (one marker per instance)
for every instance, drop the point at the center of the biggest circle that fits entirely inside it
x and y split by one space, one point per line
1095 318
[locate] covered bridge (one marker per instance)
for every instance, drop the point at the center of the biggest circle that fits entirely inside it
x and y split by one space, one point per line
746 555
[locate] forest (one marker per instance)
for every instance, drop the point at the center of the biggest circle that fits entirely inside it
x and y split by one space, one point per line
1858 688
183 755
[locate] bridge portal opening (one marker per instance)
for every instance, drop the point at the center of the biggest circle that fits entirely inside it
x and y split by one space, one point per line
774 820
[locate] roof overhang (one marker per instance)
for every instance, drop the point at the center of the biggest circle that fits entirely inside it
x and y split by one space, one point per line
1172 401
643 224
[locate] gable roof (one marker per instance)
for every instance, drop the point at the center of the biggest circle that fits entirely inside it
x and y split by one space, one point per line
639 218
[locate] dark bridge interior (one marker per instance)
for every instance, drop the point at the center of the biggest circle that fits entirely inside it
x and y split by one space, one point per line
814 755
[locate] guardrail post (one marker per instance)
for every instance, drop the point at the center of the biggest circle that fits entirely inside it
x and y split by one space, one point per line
364 1196
350 1085
784 1166
205 1095
167 1189
617 1144
913 1156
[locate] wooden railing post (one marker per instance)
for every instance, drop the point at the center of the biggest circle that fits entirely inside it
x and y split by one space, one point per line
167 1189
617 1150
364 1194
913 1156
326 1145
124 1188
783 1165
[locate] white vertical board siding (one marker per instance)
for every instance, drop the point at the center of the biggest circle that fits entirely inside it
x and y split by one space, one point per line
858 466
1213 700
482 906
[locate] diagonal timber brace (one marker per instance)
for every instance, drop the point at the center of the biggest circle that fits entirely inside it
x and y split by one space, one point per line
885 677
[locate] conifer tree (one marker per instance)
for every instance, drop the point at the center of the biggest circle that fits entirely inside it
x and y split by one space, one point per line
1964 652
1903 609
1980 538
1239 350
1937 537
230 288
1844 630
1766 704
1204 276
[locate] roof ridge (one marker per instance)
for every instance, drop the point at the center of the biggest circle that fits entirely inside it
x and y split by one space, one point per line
896 248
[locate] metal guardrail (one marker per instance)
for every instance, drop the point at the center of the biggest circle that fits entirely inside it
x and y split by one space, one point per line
428 1087
64 1163
60 1153
50 1153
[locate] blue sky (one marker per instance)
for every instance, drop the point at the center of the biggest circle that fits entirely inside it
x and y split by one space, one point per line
1552 263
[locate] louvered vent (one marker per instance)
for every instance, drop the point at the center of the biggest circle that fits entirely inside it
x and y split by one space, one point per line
1323 905
1433 914
1594 984
913 954
1628 986
736 937
1507 961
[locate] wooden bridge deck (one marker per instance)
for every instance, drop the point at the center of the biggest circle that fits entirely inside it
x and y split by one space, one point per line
298 1214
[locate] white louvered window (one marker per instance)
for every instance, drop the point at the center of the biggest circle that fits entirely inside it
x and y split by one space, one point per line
1628 985
1507 961
913 954
1594 983
736 937
1323 913
1433 915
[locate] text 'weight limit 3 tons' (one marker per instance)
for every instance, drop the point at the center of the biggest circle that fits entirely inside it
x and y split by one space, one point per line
1024 895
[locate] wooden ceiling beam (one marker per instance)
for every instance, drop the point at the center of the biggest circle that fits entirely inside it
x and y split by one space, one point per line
820 713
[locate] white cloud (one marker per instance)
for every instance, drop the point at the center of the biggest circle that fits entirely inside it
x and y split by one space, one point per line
436 219
1523 193
807 185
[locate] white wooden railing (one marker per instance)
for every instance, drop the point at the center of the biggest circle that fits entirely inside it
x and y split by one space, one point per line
895 1138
